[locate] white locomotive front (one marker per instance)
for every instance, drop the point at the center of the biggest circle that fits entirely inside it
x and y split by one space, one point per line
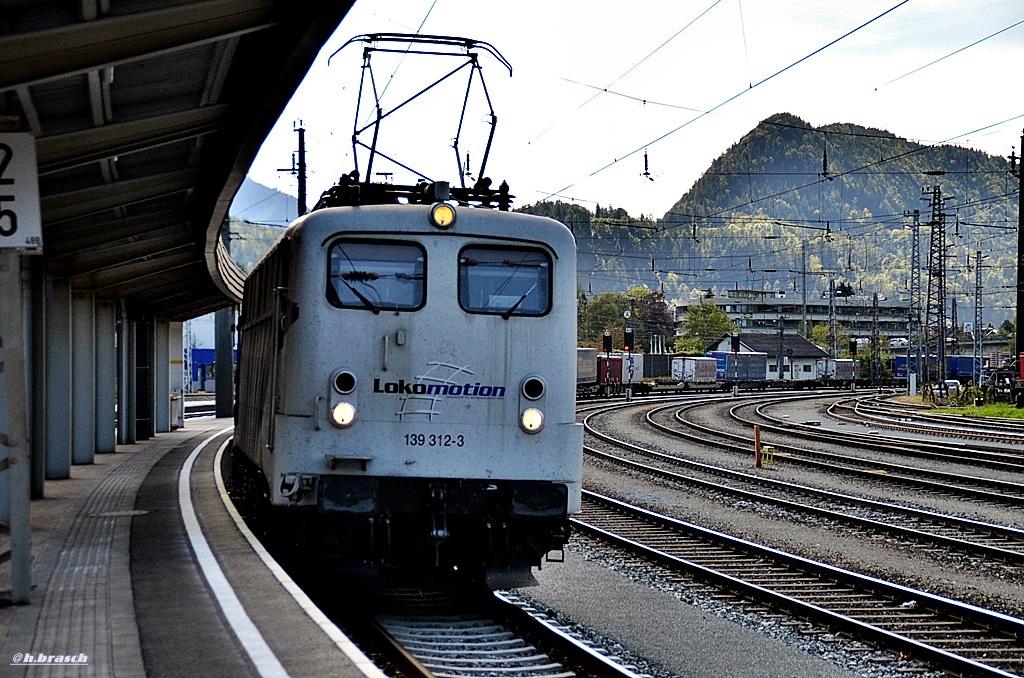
407 387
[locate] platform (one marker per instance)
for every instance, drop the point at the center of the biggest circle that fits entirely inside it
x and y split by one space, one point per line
141 569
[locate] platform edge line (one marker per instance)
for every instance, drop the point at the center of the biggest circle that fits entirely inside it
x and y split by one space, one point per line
337 636
263 658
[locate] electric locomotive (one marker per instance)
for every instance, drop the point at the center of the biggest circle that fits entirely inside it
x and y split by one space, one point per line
406 384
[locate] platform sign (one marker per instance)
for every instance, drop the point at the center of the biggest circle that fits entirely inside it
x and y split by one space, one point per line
21 223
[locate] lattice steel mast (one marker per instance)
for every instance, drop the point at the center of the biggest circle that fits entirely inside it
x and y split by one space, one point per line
915 338
833 338
935 305
978 330
876 344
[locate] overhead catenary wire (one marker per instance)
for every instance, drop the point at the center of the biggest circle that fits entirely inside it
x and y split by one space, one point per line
877 220
720 219
834 221
634 66
733 97
746 50
419 29
605 90
953 53
777 194
923 145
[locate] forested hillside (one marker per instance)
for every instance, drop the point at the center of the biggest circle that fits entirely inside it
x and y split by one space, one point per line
831 201
249 241
259 215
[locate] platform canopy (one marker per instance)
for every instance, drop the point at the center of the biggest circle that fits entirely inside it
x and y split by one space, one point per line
147 114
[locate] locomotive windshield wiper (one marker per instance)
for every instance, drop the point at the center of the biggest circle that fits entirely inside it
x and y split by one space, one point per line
359 295
512 309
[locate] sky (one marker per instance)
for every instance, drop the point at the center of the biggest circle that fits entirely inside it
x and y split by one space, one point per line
596 85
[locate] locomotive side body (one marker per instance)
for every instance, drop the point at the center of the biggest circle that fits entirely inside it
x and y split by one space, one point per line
408 392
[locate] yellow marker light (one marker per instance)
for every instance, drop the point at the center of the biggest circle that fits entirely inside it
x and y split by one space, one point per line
532 420
343 414
442 215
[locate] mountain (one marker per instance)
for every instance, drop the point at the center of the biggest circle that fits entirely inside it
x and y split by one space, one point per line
786 169
257 203
790 198
257 216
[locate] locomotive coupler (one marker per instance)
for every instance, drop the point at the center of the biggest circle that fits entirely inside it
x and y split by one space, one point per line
294 486
289 485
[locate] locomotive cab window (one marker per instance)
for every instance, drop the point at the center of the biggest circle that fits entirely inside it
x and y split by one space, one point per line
376 275
505 281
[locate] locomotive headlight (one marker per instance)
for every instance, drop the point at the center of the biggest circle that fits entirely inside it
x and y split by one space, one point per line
532 420
442 215
343 414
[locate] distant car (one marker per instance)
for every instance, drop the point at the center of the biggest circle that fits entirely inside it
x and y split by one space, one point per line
898 342
947 387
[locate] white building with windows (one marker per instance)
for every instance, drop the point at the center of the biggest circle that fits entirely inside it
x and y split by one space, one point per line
761 311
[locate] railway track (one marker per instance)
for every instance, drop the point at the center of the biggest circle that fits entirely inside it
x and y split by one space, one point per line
1000 458
995 542
996 457
444 634
883 413
944 633
957 485
196 407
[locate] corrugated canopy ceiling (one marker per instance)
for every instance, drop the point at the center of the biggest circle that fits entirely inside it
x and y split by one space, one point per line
147 114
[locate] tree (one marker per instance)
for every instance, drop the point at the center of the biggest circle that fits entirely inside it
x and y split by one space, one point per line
249 242
651 317
582 308
819 336
706 322
689 346
603 312
1008 329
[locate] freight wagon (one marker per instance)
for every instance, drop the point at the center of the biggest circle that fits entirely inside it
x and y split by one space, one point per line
608 374
959 367
695 371
844 370
740 369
